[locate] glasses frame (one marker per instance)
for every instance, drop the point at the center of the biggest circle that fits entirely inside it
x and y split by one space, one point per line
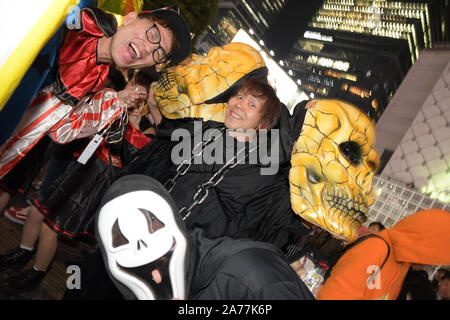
158 43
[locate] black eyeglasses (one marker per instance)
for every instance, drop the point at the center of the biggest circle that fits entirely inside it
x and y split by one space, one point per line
154 36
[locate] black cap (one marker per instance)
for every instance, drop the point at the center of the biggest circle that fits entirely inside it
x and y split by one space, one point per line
181 30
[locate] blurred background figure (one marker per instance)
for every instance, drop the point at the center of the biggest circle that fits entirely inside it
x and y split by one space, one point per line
443 289
417 286
437 277
376 227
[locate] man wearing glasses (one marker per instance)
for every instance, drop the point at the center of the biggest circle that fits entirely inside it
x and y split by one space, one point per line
145 40
91 45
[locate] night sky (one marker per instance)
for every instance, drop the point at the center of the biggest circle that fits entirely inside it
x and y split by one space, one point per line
290 25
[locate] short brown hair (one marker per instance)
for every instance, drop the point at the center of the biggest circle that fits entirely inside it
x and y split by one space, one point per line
271 106
163 22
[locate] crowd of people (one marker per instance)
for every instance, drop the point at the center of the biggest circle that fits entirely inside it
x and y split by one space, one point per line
219 230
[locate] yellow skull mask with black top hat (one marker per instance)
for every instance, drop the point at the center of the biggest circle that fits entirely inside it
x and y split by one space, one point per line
199 86
333 160
332 167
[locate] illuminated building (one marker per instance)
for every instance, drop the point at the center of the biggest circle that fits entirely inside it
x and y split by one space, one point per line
360 50
254 16
413 134
248 21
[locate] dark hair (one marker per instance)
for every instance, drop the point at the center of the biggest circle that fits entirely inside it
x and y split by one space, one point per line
146 76
379 224
271 107
435 282
115 80
417 285
446 275
163 22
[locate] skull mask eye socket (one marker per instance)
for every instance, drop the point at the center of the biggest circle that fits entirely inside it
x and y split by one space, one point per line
351 151
118 239
313 177
153 223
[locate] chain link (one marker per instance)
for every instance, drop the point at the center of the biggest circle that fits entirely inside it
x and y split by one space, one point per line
203 188
212 183
196 151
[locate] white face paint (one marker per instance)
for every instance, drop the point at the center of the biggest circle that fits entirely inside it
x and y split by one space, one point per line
138 228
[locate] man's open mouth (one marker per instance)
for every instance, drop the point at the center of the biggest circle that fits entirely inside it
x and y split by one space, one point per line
134 50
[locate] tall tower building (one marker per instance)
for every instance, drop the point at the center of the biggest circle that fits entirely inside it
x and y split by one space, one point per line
360 50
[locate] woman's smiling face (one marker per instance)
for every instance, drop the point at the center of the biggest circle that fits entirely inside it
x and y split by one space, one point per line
244 111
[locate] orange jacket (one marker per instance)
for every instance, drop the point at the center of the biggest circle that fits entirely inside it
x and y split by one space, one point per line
422 238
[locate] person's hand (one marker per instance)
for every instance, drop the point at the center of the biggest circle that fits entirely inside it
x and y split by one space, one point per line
132 96
153 108
135 114
151 101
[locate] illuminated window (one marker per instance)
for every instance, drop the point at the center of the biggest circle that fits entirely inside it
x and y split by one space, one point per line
358 91
250 10
327 62
323 91
263 20
374 104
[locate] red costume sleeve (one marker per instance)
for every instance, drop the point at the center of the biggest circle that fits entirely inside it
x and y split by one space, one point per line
79 72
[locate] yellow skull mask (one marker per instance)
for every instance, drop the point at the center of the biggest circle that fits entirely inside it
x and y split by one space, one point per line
333 164
183 90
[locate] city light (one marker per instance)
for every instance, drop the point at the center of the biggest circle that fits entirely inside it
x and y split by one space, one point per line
317 36
329 63
382 18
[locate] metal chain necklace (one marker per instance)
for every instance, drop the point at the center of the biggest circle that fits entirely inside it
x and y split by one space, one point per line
203 188
184 166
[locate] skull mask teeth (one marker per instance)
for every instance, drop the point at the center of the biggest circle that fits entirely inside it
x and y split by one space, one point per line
333 164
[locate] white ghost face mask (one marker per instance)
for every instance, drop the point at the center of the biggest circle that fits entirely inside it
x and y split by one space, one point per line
142 245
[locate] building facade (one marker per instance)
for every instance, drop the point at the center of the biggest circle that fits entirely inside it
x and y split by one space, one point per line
360 50
254 16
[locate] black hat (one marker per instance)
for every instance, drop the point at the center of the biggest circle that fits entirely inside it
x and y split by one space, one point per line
181 30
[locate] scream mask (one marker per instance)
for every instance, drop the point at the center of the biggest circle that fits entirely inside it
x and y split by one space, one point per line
143 243
200 86
333 164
